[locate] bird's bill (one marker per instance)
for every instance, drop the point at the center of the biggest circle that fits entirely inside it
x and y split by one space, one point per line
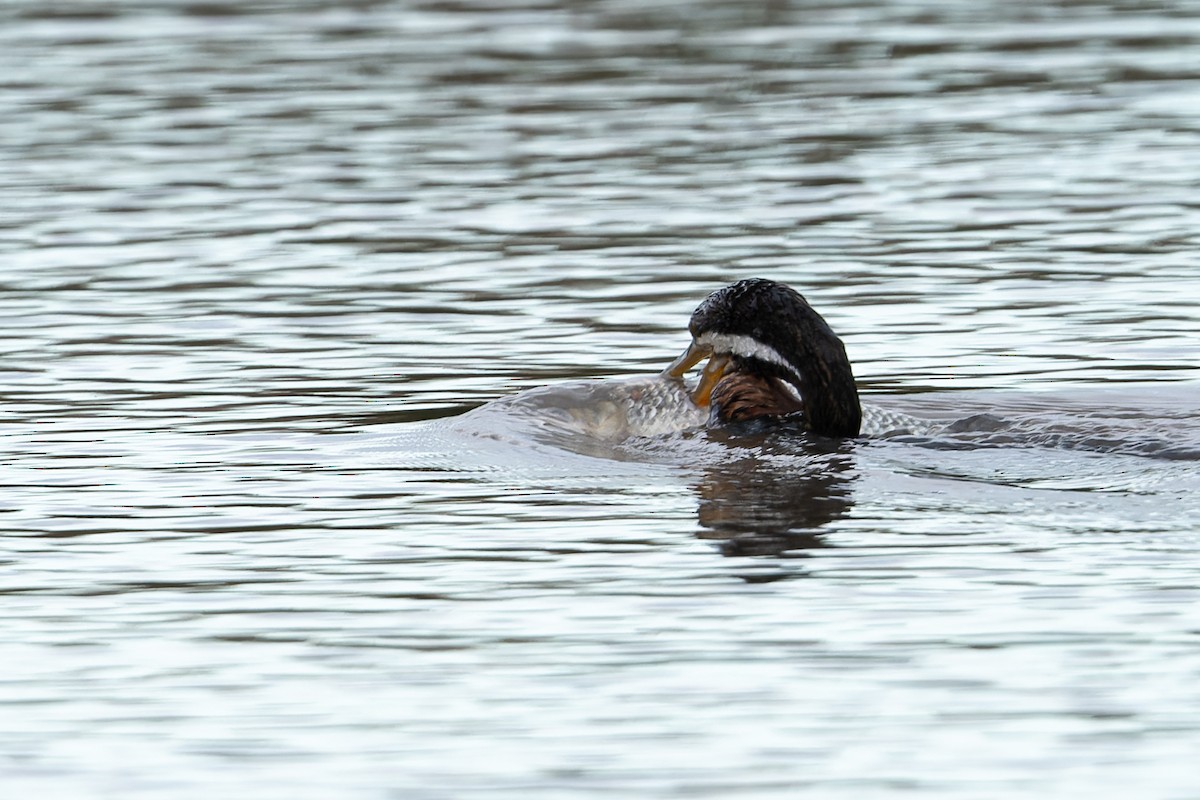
710 376
712 373
689 358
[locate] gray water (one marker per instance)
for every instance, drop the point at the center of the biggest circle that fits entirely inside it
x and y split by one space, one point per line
258 258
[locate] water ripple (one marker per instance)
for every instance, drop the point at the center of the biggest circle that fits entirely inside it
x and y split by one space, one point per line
254 252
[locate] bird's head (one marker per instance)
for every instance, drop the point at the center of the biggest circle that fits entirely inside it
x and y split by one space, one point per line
769 354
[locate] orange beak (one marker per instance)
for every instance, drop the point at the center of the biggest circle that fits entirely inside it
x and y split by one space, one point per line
713 371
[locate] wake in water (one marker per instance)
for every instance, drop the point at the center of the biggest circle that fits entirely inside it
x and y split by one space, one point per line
779 488
1154 422
653 419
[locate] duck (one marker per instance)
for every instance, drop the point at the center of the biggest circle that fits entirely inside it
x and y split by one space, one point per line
771 357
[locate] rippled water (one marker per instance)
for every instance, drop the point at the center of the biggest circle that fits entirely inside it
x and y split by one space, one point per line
258 257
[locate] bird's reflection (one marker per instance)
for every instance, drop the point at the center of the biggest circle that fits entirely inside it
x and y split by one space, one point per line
777 497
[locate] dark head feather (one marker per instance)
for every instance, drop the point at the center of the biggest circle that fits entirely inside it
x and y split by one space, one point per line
774 333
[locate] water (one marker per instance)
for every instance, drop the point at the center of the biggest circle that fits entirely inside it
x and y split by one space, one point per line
259 257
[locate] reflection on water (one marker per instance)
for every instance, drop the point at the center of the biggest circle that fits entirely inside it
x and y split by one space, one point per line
258 258
759 505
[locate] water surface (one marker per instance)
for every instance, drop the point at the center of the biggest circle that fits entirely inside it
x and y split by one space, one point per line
258 256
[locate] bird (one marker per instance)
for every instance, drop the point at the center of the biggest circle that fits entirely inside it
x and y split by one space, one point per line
770 357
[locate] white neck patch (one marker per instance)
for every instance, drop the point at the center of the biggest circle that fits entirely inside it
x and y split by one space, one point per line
746 347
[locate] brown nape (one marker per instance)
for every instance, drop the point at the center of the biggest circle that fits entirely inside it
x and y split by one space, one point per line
741 396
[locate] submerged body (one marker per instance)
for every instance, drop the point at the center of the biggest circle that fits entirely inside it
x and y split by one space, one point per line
605 410
775 374
773 362
617 410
